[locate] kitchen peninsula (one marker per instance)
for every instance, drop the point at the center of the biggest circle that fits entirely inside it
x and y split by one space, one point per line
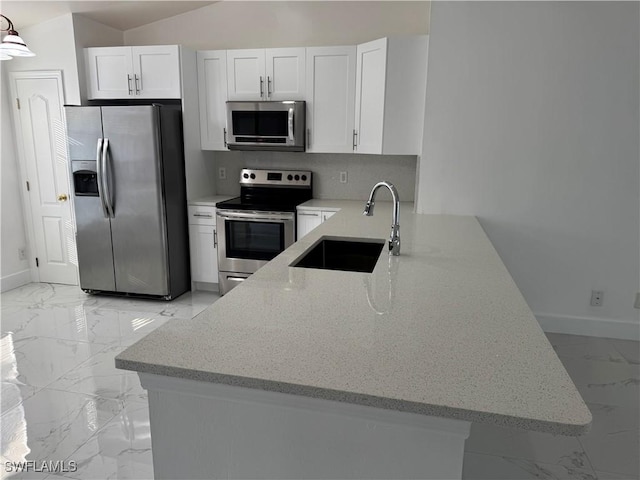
309 373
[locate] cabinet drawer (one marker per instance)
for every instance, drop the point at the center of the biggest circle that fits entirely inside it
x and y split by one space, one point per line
202 215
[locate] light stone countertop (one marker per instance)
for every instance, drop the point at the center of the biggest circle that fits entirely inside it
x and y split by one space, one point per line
210 201
319 204
440 330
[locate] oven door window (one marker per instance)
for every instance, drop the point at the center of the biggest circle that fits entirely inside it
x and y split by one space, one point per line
253 240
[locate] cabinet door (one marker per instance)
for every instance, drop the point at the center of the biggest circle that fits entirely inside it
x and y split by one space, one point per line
245 75
204 253
109 72
285 69
156 71
212 92
370 91
307 221
331 81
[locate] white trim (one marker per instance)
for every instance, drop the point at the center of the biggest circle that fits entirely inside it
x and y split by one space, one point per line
589 326
15 280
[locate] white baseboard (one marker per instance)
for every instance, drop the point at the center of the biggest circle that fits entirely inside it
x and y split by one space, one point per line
15 280
589 326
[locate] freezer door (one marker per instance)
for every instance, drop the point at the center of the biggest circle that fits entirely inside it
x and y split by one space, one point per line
93 230
138 224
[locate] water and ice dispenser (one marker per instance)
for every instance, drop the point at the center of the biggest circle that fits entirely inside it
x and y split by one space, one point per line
85 178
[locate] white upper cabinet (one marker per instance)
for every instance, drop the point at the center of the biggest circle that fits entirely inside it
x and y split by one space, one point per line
370 90
285 73
133 72
266 74
391 80
156 71
212 92
330 96
109 72
246 75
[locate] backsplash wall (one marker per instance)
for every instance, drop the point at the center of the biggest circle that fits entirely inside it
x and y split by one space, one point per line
363 171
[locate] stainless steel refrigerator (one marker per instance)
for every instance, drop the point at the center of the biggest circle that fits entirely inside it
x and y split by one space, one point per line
127 166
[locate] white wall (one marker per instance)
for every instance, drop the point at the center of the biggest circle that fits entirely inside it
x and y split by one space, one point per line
532 124
13 271
89 33
281 24
53 43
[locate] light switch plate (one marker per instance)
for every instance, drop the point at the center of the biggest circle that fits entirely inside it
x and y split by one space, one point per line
222 173
343 177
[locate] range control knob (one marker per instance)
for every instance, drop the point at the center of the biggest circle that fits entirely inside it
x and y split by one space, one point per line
297 177
304 178
245 175
253 176
289 177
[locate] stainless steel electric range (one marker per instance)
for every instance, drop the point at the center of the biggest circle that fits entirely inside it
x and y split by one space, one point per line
259 224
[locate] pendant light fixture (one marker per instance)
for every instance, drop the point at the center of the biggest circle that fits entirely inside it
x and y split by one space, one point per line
12 45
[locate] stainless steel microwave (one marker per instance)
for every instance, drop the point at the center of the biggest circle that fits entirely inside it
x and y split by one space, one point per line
278 126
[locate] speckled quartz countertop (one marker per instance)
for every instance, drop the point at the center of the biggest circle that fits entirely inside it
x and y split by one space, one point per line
440 330
209 201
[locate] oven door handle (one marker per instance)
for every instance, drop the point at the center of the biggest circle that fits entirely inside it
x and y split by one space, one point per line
257 217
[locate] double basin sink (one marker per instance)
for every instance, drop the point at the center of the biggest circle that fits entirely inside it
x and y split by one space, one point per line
336 253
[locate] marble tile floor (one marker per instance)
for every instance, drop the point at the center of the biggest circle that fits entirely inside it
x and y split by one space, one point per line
62 398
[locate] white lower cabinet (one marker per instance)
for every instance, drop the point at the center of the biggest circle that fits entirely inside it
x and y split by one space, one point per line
309 219
203 244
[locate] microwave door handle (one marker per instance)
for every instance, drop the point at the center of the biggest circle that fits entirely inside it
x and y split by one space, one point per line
291 124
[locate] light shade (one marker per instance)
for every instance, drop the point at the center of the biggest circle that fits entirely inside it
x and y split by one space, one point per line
4 56
14 46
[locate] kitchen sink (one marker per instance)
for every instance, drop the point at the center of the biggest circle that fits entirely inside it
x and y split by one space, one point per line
348 254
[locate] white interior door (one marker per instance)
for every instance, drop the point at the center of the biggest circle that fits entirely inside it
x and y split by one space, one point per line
41 139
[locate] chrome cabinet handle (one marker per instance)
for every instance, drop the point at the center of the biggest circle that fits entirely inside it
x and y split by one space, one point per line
137 84
224 136
268 86
355 140
215 239
305 214
205 215
129 84
308 137
261 87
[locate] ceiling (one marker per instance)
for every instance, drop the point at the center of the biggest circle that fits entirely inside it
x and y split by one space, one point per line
122 15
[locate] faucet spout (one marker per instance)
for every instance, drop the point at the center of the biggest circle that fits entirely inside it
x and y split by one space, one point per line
394 239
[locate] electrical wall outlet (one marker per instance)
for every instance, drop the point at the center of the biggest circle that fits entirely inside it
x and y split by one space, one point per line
22 254
597 298
343 177
222 173
637 302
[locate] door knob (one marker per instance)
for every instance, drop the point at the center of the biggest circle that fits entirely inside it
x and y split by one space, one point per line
62 197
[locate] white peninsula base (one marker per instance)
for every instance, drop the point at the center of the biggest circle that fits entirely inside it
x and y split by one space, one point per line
208 430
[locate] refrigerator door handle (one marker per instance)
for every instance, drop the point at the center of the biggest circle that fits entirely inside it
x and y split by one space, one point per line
106 174
101 190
